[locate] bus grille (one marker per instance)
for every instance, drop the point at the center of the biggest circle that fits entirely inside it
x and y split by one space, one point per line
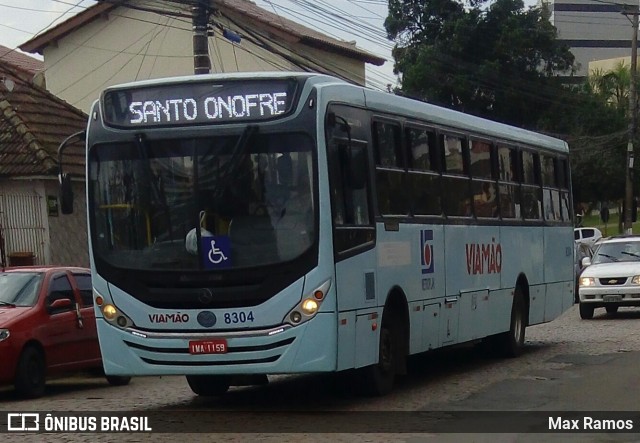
215 361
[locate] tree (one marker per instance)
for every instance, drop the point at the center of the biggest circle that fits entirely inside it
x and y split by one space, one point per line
595 126
500 62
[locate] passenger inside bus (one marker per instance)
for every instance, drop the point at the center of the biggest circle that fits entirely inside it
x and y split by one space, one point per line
485 202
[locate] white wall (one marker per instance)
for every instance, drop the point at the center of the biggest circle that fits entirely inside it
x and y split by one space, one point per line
133 45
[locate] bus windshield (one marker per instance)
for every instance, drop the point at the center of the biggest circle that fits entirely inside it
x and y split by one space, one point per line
221 202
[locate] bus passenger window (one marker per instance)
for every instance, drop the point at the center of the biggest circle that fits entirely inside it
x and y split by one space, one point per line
485 202
455 198
421 145
424 191
531 203
509 201
386 138
480 155
453 155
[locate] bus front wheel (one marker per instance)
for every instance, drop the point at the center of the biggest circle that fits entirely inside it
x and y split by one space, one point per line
378 379
209 385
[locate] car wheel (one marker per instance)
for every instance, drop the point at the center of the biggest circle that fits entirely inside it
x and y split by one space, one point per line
611 309
586 311
118 380
209 385
30 373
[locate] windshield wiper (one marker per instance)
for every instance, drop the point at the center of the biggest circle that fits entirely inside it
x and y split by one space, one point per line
6 303
238 153
633 254
608 256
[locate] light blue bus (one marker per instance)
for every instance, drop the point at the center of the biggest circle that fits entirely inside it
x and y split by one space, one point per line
243 225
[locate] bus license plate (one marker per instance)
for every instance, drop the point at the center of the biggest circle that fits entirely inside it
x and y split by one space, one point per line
208 346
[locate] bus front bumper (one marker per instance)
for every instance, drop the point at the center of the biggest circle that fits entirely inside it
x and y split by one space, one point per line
309 347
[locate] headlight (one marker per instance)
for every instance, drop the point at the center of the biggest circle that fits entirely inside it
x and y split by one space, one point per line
636 280
309 306
111 313
587 281
4 334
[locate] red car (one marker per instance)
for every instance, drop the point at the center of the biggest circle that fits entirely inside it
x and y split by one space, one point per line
47 326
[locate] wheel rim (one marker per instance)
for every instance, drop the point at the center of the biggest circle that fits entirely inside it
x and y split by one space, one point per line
518 325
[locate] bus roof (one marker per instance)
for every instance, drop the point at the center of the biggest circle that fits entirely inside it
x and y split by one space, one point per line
385 102
458 120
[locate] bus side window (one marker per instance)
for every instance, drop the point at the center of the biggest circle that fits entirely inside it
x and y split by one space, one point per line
390 176
456 184
353 226
531 191
423 178
349 184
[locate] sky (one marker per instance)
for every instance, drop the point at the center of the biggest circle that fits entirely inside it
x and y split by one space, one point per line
359 20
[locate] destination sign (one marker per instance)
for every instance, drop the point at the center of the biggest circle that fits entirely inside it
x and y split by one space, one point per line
183 104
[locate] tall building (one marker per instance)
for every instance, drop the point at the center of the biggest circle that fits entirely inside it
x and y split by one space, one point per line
593 29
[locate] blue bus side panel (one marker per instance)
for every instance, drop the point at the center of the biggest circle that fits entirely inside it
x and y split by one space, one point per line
449 322
558 266
367 337
474 258
537 297
430 326
416 320
352 276
475 315
500 302
346 340
522 253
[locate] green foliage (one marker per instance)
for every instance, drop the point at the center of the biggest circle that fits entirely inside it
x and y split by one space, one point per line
502 62
499 62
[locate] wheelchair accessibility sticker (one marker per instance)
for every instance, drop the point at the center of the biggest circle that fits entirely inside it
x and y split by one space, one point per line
216 252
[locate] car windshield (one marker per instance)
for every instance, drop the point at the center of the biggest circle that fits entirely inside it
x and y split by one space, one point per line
617 252
19 288
222 202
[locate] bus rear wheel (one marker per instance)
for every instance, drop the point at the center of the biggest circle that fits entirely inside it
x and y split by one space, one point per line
209 385
511 343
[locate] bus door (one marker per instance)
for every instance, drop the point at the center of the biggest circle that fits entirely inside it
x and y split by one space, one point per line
353 242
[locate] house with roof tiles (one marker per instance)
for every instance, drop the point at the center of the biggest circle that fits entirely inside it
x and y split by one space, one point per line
118 42
33 123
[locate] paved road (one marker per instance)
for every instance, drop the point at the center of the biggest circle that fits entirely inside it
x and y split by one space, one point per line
569 365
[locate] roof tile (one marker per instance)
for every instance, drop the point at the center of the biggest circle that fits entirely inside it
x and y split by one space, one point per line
33 123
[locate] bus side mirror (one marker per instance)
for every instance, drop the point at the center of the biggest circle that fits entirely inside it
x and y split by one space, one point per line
66 194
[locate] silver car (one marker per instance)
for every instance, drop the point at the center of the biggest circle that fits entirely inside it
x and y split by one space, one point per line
611 278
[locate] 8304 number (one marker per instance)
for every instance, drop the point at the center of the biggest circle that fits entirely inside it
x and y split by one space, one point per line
238 317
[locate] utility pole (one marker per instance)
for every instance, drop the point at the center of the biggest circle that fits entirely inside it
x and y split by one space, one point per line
632 122
201 61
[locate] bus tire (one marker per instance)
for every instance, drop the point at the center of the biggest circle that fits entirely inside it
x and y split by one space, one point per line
118 380
511 343
31 373
378 379
209 385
